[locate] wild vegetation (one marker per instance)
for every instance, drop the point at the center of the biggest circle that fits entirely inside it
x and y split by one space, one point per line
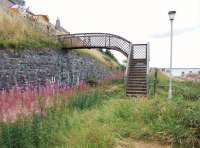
100 56
102 117
188 90
108 53
16 33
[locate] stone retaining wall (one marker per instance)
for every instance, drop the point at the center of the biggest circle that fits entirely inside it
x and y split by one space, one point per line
56 66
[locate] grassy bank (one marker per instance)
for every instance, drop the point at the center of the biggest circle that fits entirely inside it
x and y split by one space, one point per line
103 117
99 56
187 90
17 33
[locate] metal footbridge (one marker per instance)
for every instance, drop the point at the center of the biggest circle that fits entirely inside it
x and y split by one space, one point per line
137 54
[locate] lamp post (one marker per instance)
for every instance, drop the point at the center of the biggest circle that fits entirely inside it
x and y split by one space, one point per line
171 18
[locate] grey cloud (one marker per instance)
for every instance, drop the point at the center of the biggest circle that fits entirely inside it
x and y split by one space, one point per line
177 32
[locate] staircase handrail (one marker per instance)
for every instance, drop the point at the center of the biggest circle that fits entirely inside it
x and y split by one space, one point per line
130 56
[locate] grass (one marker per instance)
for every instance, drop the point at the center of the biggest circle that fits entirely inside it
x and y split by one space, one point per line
99 56
188 90
16 33
103 117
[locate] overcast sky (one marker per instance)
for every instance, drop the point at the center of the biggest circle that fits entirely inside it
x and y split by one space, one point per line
139 21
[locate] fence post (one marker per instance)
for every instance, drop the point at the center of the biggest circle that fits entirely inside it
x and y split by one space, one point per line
155 82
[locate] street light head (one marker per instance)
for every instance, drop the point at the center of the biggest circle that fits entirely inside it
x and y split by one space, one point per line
171 15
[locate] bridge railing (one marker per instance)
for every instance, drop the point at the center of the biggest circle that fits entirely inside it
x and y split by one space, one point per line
96 40
140 51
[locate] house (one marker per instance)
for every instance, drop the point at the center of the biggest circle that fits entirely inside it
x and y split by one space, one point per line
14 11
11 3
18 2
42 19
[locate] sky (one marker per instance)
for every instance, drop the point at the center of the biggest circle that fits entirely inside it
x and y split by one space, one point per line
139 21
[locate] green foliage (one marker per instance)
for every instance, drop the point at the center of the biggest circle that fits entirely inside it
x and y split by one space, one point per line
187 90
15 134
85 101
169 121
34 42
109 54
102 116
35 133
124 111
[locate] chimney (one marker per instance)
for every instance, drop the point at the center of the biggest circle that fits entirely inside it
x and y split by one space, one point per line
57 23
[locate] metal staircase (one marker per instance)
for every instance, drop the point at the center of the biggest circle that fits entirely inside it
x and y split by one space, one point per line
137 78
137 69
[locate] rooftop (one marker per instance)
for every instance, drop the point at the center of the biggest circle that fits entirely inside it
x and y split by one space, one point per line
18 2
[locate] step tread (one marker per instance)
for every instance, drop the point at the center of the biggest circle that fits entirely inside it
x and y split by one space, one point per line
139 92
141 73
136 86
138 59
137 76
140 80
133 66
136 82
135 93
136 90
